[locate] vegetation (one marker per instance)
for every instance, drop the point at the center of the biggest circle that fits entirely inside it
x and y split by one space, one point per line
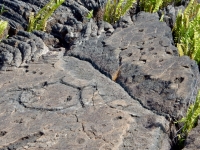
90 14
154 5
115 9
3 26
187 39
39 21
191 119
2 10
150 5
187 31
162 18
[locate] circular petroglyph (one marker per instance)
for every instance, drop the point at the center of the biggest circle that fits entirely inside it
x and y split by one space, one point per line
50 97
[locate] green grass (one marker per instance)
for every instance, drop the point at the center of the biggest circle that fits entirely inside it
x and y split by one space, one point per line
150 5
190 121
39 21
187 31
90 15
3 26
154 5
2 10
115 9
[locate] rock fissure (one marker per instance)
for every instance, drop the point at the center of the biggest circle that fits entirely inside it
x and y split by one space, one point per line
124 87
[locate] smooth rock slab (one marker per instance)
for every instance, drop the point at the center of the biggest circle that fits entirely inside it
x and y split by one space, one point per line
70 105
45 98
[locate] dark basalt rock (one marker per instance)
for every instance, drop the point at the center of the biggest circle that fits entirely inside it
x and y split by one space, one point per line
21 49
48 39
54 93
67 23
71 101
17 13
148 64
166 87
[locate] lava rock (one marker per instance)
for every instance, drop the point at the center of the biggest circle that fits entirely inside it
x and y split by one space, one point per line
143 60
18 50
73 105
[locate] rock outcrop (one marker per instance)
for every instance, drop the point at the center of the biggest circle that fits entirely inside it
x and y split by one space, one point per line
71 105
85 84
143 60
20 49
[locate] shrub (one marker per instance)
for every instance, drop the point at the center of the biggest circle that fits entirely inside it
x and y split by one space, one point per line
150 5
187 31
3 26
38 21
115 9
191 119
154 5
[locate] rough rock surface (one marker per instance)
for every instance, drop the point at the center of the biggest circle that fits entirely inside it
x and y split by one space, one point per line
21 49
67 23
71 105
143 60
52 97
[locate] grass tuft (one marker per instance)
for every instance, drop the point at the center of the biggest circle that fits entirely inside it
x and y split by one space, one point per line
3 26
190 121
2 10
187 31
154 5
90 15
39 21
150 5
115 9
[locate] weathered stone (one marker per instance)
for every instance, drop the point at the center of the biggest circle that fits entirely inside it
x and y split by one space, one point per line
73 105
147 65
48 39
17 13
54 101
20 49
